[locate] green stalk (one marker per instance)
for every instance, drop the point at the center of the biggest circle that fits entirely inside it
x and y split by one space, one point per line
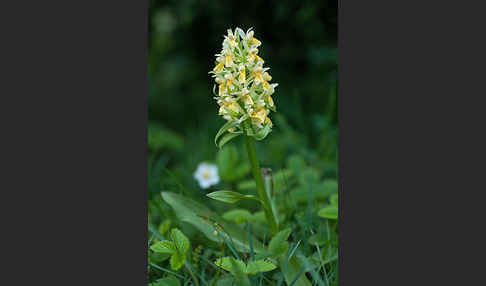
192 274
257 175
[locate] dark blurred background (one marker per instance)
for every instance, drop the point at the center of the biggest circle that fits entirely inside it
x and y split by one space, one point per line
298 44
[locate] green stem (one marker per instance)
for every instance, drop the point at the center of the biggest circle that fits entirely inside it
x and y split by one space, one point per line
192 274
257 175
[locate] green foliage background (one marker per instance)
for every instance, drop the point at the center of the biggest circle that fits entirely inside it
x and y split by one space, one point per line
299 44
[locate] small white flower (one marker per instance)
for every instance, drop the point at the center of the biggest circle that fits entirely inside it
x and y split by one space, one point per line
207 175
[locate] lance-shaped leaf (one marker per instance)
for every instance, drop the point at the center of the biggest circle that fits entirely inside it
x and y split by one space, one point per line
260 135
226 138
203 219
223 129
229 196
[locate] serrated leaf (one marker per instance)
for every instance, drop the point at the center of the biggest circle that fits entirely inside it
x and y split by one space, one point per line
177 260
279 245
330 212
231 265
258 266
239 272
180 240
164 246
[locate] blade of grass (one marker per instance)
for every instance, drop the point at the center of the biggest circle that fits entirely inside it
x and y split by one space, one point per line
228 244
156 233
165 270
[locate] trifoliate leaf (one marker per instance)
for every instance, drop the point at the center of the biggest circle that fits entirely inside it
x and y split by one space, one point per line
164 246
279 245
181 241
258 266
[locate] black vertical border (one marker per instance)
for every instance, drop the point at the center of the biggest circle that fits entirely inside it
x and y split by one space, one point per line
76 142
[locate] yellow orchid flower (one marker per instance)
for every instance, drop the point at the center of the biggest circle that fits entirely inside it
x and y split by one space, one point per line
259 59
221 89
270 101
228 60
247 99
255 41
218 67
258 77
242 76
266 85
229 83
267 76
267 120
260 115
